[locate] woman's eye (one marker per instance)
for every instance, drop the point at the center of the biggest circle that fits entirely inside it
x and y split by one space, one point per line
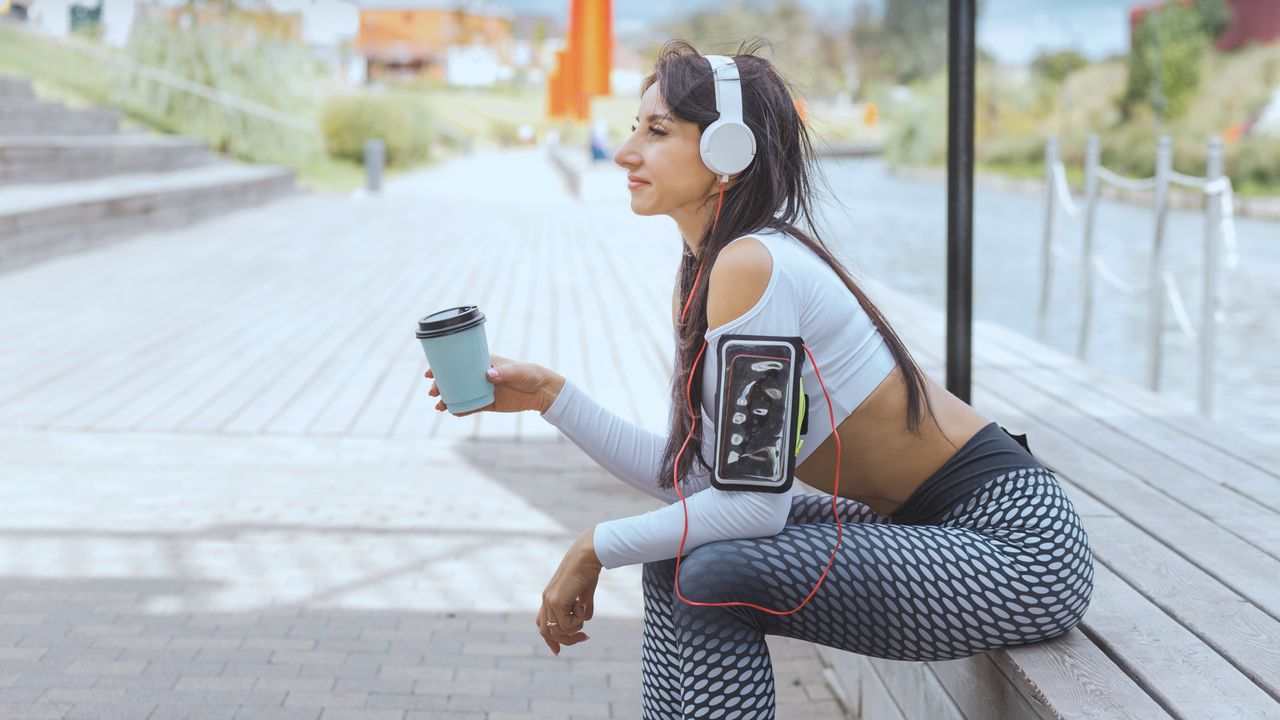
657 130
633 127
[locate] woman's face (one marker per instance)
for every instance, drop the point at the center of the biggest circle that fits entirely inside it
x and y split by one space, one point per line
663 152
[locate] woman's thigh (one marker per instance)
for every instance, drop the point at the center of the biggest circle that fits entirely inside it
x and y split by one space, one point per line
817 508
910 592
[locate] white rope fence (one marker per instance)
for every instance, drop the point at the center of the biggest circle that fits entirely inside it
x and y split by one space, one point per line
1162 285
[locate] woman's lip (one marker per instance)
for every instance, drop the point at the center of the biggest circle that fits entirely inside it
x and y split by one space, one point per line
633 184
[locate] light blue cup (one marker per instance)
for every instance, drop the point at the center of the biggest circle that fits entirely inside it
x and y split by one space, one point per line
458 354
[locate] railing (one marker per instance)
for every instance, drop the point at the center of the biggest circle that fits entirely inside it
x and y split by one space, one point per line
1161 286
229 122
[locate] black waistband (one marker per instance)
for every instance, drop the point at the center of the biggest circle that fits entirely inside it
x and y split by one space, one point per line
992 452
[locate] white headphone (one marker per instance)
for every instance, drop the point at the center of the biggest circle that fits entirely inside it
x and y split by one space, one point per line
728 145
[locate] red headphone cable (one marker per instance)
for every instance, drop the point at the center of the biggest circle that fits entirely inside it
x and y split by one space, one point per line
836 490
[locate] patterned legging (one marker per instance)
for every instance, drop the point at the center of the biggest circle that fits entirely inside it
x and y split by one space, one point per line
1008 566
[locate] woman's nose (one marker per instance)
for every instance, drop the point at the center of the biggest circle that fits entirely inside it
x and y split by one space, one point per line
624 157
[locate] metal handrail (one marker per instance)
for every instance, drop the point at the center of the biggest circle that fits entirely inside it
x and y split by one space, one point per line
216 95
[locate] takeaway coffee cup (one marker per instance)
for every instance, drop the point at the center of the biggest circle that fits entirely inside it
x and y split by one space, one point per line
458 353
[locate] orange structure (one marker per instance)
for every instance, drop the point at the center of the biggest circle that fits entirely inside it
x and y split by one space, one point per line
584 65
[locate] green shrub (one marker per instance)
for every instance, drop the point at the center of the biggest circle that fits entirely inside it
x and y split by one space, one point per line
402 123
1014 150
1254 162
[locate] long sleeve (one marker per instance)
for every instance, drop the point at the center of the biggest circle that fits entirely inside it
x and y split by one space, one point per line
626 450
713 514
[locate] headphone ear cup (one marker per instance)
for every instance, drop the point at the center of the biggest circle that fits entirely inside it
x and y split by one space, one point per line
727 147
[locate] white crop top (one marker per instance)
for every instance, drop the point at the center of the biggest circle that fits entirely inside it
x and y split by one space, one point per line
806 298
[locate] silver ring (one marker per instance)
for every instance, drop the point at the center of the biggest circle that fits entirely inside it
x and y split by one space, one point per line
549 623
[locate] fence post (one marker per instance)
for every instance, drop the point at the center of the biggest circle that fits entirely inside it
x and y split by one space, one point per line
1092 158
1046 250
1155 321
1209 296
375 152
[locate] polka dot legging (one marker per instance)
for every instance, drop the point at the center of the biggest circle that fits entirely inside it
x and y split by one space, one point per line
1008 566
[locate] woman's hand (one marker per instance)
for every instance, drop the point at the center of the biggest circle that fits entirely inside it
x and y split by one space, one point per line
569 597
518 387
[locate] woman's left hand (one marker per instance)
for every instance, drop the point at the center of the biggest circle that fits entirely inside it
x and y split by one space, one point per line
568 600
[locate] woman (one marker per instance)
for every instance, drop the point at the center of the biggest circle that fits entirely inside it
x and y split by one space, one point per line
955 540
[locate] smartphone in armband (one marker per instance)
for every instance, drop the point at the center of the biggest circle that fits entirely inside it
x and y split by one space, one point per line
760 410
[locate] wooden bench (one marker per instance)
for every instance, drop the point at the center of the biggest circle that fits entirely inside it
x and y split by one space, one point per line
1183 516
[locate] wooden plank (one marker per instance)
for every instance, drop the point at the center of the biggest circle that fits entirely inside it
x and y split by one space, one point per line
1142 432
638 322
1171 663
206 412
980 690
74 401
280 372
354 359
313 364
104 320
536 343
192 369
367 403
915 690
211 414
1235 628
1071 677
1194 427
877 702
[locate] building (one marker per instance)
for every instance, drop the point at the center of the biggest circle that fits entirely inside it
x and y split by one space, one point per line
472 46
1252 21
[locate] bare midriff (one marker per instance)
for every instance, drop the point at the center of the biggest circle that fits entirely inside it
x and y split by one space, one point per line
881 461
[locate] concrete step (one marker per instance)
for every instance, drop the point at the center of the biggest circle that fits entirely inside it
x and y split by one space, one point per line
53 119
17 106
13 87
42 221
59 158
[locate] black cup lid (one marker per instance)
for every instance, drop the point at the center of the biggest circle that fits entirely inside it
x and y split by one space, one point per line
446 322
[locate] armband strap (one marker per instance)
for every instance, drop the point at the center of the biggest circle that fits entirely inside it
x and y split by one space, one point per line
759 411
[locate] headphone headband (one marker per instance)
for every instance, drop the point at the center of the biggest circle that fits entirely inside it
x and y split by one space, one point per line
728 87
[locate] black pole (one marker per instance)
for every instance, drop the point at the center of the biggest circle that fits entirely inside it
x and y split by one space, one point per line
960 71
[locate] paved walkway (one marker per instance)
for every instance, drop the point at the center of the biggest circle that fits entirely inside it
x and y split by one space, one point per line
227 494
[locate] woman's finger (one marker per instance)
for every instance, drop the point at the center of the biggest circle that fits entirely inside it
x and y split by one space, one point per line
543 629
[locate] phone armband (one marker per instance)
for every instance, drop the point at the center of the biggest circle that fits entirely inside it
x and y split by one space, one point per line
760 408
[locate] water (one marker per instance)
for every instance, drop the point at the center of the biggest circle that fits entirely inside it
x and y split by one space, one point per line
895 230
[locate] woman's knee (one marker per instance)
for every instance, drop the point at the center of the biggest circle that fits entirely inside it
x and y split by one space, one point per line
719 572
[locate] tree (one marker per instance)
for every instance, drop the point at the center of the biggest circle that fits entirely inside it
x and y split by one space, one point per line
907 42
1164 62
1054 67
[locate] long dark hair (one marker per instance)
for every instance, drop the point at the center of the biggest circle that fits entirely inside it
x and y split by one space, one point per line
773 192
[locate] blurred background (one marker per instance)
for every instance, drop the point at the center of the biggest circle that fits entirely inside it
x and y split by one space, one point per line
303 85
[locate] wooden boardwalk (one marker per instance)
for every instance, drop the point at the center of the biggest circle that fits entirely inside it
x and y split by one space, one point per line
235 413
300 321
227 487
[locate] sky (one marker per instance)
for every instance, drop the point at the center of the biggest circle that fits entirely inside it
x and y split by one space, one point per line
1011 30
